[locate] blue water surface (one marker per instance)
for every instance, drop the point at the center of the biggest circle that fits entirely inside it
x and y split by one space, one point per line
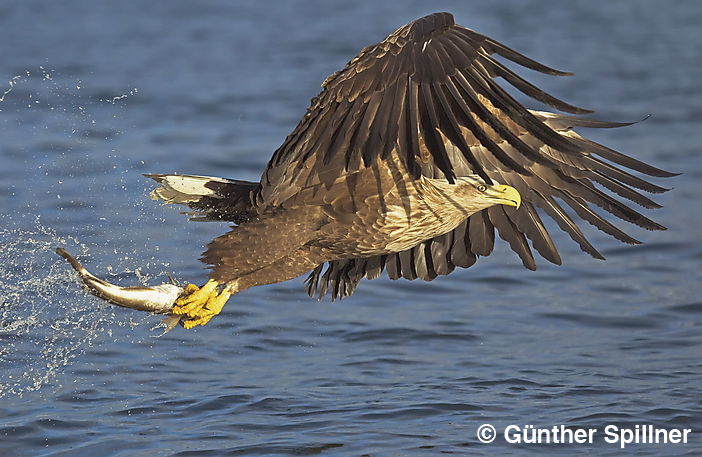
97 93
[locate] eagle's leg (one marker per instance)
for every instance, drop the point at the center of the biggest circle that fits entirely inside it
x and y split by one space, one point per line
197 305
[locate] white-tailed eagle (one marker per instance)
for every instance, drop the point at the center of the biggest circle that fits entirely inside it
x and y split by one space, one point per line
411 160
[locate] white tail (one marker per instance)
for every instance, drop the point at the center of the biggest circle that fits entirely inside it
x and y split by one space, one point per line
212 198
185 188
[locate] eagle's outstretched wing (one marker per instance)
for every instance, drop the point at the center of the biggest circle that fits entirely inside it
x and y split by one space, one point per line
428 93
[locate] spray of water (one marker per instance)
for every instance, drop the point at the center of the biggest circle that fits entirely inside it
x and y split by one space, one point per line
56 131
45 319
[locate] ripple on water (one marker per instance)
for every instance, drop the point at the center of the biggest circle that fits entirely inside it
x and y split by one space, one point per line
588 320
401 335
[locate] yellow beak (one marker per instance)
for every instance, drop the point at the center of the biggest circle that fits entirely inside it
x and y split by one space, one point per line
505 195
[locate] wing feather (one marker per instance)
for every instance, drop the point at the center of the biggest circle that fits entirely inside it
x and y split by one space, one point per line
527 88
527 221
509 232
432 138
439 252
480 134
461 254
481 233
427 95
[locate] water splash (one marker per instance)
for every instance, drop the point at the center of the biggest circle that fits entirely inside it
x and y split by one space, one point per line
45 320
60 135
11 85
117 98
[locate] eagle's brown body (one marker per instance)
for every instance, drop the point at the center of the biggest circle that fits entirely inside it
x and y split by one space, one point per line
396 166
323 223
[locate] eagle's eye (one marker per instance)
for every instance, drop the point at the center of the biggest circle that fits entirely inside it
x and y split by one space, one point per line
482 188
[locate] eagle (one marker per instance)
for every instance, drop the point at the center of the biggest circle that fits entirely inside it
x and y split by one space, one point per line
411 160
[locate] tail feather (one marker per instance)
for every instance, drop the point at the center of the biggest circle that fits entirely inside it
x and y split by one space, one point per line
213 199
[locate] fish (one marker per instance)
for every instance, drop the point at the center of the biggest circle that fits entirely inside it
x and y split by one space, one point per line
154 299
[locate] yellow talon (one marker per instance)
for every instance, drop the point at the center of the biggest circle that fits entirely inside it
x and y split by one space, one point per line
198 305
189 289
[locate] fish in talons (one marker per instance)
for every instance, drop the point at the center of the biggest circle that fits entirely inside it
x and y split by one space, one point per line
158 299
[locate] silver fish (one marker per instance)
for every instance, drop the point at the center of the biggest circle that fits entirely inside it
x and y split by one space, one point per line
157 299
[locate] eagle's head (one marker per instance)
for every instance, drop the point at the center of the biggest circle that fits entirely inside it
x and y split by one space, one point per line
473 187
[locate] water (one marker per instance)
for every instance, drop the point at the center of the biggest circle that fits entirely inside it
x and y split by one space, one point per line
99 95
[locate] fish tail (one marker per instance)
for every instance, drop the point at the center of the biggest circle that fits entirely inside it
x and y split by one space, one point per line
72 260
